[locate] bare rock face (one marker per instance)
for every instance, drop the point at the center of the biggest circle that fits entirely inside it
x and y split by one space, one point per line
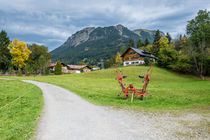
79 37
120 27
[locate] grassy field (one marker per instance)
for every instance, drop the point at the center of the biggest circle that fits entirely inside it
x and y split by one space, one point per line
20 107
169 90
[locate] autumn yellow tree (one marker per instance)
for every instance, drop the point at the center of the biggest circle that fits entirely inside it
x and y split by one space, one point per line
118 59
19 52
164 43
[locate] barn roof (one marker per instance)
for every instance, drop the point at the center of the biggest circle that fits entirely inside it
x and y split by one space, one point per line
53 64
140 52
78 67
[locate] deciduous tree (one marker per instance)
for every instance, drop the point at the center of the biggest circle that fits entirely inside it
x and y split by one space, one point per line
19 52
118 59
58 68
164 42
39 59
198 30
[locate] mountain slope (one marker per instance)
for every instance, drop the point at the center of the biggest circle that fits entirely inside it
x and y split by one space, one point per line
149 34
91 44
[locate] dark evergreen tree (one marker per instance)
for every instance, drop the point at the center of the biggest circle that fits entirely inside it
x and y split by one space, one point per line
169 38
5 57
139 43
131 43
123 49
157 37
146 42
156 44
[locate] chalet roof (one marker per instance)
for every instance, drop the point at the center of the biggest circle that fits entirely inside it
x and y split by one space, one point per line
53 64
140 52
78 67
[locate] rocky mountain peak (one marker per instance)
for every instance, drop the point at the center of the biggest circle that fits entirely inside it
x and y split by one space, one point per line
120 28
79 37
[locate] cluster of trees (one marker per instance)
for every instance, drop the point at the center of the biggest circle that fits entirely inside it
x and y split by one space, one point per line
187 54
18 56
115 60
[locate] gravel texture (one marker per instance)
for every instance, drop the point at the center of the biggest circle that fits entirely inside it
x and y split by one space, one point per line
66 116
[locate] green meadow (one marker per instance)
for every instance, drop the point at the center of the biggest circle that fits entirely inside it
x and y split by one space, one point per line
169 90
20 108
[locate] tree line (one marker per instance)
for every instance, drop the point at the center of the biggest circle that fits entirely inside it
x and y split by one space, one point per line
18 57
188 54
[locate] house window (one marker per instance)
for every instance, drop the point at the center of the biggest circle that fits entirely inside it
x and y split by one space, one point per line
126 58
131 53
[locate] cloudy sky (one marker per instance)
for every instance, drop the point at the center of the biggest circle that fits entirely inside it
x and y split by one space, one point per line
51 22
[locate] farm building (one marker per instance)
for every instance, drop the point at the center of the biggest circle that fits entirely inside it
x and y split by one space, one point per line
71 68
78 68
64 67
134 56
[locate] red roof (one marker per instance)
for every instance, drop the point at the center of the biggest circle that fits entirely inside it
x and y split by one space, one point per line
77 67
53 64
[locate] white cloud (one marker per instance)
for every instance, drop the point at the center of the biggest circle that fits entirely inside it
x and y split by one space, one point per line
58 19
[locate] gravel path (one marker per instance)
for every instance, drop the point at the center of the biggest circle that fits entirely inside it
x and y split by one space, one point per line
67 116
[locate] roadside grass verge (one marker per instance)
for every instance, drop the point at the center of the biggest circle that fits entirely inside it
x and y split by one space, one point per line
169 90
20 108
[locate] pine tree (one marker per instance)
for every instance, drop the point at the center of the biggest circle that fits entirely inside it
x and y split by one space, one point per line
157 37
139 43
5 57
169 38
156 44
146 42
131 43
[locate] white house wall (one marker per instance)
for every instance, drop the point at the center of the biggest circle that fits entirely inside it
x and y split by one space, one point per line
136 62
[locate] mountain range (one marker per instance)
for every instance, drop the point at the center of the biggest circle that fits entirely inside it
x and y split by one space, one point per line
92 44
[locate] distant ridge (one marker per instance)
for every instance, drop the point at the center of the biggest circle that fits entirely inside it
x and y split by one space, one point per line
92 44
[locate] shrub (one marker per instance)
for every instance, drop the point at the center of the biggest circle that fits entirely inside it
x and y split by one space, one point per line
81 70
19 73
183 64
147 61
167 57
58 69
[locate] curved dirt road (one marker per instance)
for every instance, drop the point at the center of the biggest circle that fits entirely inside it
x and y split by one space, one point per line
67 116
